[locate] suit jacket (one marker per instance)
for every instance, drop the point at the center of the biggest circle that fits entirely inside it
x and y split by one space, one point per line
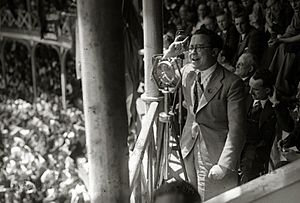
268 118
254 42
220 119
231 41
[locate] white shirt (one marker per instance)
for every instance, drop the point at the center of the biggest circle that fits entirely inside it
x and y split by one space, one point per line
206 74
205 77
263 103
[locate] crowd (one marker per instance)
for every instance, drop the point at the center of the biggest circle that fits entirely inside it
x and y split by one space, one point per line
42 146
237 119
40 151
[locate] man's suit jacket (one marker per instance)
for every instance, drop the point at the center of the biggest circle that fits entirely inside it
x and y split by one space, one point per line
231 41
268 119
254 42
220 119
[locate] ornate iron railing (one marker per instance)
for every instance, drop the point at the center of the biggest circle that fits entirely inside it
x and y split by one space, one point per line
26 25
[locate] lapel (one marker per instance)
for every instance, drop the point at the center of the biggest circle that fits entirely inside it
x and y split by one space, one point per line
265 114
212 87
243 44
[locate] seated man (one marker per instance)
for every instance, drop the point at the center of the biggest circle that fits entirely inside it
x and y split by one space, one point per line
229 35
176 192
251 40
263 114
245 67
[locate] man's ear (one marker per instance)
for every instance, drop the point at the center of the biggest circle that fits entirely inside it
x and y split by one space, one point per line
269 91
251 69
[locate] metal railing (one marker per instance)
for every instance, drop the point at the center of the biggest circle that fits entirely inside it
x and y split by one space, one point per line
25 25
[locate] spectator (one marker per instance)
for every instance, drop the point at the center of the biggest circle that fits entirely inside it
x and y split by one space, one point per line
234 8
202 13
278 17
213 7
182 22
222 6
229 35
286 60
263 114
293 139
248 6
210 23
251 40
246 66
256 17
176 192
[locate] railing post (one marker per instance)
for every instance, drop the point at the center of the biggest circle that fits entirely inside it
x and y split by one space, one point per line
153 44
3 63
63 57
33 70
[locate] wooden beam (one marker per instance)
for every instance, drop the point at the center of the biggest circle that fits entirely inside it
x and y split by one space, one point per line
262 186
140 146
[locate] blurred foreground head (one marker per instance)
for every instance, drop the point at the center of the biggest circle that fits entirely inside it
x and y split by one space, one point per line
176 192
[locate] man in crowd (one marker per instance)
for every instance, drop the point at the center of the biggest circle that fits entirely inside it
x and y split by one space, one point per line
251 40
229 35
213 135
264 112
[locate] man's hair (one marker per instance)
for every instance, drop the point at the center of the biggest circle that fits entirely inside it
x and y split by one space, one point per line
214 39
266 76
189 193
242 15
250 60
222 13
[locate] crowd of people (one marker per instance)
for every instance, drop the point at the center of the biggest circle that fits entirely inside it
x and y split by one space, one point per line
239 84
42 146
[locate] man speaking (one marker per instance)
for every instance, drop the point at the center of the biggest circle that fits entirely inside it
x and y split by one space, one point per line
213 136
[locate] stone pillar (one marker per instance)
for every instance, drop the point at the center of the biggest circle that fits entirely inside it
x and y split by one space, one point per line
103 85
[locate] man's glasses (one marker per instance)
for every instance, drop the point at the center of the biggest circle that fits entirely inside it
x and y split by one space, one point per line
198 47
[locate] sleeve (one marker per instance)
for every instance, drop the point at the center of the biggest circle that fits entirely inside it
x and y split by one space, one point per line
236 113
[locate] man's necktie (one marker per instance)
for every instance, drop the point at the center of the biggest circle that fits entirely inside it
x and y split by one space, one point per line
198 91
256 108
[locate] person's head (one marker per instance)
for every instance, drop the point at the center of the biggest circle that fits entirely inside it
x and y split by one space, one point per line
233 7
295 4
183 11
261 84
222 4
246 65
202 10
247 3
241 22
210 23
273 6
176 192
204 48
223 21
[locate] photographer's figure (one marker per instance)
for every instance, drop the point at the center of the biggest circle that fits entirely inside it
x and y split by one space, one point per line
213 136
